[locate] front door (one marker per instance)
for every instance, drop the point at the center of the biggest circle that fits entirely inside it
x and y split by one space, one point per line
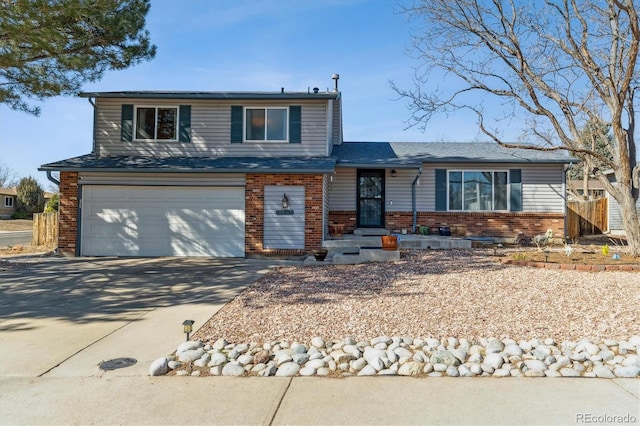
370 199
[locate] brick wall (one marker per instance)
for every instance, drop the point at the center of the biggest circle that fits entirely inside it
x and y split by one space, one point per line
254 215
68 211
478 224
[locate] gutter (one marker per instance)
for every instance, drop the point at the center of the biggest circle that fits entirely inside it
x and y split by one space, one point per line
413 201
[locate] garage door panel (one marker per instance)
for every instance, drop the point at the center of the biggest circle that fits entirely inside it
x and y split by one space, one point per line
163 221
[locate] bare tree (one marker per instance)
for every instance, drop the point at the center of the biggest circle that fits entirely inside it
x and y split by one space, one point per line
7 177
558 63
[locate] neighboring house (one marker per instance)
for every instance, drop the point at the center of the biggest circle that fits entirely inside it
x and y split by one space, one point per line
614 215
7 202
240 174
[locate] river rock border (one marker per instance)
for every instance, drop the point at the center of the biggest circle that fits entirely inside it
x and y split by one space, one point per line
404 356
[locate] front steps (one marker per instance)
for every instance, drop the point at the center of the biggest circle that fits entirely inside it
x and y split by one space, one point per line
411 241
354 249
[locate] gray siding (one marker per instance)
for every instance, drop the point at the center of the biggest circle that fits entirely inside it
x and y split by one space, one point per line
542 187
615 215
398 190
284 231
211 131
343 190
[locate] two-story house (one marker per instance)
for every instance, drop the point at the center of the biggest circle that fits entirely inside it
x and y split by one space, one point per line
234 174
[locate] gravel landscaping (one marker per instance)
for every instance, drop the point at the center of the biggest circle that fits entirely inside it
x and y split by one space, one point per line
438 294
454 312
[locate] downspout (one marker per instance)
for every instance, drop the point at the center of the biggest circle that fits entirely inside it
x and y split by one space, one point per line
413 201
52 179
95 110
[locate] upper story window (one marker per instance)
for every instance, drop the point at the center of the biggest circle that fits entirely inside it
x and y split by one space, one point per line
8 201
156 123
266 124
478 190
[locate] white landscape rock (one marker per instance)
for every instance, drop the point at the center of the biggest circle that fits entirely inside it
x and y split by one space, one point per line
191 355
288 369
189 345
233 369
396 355
159 367
630 371
410 368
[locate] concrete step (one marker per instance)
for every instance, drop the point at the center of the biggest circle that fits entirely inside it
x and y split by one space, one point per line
371 231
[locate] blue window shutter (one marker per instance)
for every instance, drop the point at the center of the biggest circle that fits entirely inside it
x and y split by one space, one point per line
126 123
441 190
236 123
295 124
184 131
515 177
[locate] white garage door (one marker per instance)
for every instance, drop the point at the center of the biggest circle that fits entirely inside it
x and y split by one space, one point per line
162 221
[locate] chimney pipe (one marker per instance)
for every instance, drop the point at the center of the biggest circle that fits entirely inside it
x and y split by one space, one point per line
335 78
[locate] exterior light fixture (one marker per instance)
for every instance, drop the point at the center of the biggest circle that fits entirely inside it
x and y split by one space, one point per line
285 201
188 327
393 173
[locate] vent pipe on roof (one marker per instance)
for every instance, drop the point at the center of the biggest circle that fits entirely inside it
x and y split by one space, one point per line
335 78
315 90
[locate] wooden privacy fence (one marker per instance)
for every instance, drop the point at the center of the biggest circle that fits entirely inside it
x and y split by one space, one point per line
586 218
45 229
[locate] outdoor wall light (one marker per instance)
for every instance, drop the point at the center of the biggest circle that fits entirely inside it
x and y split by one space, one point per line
285 201
188 327
393 173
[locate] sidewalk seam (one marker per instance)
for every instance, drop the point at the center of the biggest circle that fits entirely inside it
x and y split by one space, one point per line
624 389
275 412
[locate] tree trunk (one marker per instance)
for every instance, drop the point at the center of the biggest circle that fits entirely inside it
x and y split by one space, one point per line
630 222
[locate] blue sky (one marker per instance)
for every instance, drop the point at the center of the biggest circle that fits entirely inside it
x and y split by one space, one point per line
244 45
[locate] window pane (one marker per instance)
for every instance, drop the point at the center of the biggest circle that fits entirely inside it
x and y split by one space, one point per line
255 125
455 190
167 123
276 124
477 190
370 186
500 191
145 123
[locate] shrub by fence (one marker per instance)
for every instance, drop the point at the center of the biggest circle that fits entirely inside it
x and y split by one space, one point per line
45 229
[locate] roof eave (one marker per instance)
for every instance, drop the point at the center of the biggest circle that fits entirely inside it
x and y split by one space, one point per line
213 95
185 170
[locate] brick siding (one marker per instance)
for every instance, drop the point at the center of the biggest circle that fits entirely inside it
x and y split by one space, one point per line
503 224
68 213
254 215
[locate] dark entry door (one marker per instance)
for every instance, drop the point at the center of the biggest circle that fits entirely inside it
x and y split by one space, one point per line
370 199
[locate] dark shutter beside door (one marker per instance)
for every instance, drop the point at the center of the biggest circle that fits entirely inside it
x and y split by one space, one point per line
126 123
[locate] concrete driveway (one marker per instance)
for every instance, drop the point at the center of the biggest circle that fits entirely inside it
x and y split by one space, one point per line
63 317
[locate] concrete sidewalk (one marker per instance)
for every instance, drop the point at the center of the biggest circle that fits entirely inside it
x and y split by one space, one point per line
316 401
60 318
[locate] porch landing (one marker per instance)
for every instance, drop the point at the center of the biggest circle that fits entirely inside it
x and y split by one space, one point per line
409 241
354 249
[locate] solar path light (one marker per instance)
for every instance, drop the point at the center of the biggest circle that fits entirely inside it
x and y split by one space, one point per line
188 327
